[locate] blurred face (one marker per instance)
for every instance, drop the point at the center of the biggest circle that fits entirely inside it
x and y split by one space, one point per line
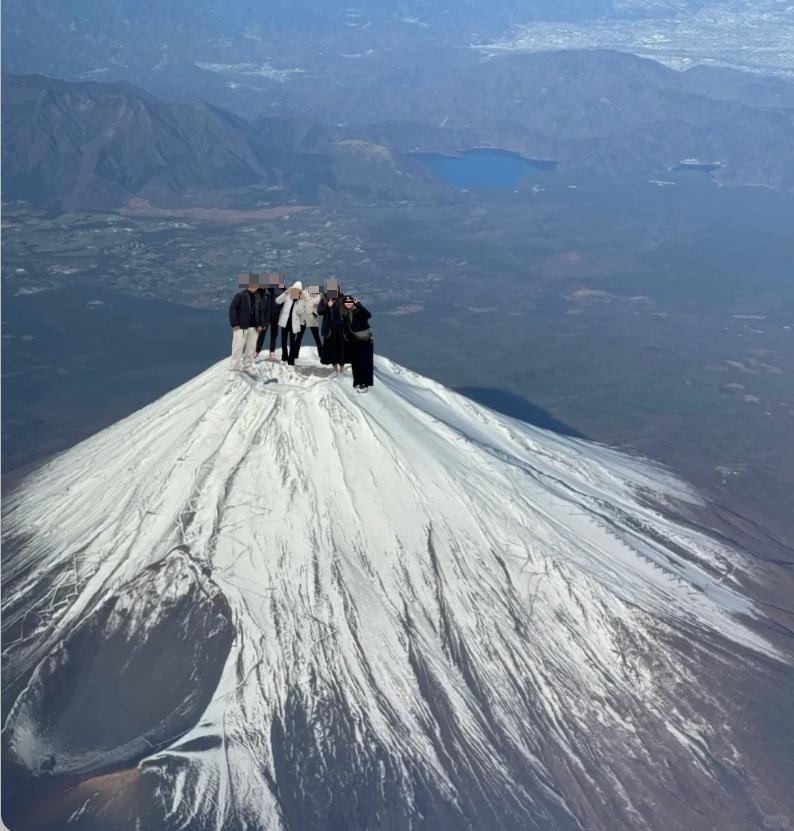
349 304
252 289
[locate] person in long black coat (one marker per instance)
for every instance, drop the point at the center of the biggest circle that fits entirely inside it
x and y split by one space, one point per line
357 335
330 310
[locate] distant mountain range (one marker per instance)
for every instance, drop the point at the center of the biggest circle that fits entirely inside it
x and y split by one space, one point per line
94 146
591 110
91 145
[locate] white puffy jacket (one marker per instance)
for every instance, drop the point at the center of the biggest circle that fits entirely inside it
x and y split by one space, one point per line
286 303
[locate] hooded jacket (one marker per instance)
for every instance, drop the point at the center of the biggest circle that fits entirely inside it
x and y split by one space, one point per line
287 303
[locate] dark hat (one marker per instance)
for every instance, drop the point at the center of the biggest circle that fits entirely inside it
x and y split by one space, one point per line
349 299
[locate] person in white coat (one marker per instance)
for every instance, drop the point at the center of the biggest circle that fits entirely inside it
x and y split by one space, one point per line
311 300
291 321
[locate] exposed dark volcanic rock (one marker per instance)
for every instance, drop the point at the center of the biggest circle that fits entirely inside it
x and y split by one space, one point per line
134 674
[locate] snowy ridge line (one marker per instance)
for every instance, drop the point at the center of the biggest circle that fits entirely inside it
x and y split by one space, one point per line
453 601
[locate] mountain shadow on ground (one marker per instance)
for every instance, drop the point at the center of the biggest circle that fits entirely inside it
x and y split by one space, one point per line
510 404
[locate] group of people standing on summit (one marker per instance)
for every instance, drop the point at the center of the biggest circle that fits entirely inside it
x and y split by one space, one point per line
338 322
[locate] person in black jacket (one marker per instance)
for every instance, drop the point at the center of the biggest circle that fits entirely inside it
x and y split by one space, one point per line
264 296
247 318
271 320
357 335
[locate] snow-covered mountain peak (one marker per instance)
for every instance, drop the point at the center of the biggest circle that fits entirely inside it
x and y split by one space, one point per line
413 607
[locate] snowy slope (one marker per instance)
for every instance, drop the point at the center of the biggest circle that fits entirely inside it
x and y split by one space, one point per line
305 608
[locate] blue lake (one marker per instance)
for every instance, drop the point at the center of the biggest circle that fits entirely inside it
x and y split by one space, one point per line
482 168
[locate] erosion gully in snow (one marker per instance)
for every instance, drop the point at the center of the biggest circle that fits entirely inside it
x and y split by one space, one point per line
267 602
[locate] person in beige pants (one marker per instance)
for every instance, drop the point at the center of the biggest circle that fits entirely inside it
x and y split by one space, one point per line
246 317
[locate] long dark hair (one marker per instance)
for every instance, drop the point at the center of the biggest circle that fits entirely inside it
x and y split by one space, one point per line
347 314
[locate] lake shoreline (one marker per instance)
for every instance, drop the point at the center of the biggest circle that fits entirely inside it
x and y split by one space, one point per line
481 167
